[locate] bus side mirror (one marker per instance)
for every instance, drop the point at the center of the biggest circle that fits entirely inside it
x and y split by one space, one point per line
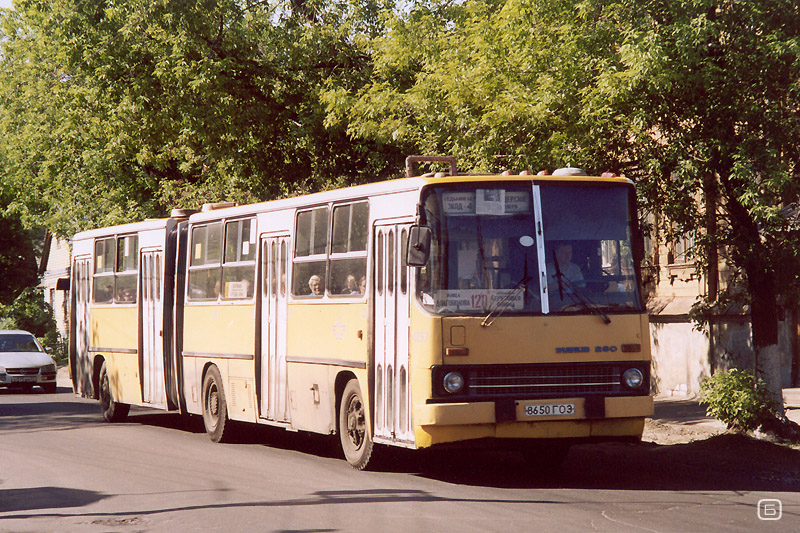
419 246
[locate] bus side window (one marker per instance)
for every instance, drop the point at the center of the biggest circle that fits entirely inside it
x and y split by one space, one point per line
238 266
204 263
348 257
103 279
310 268
127 269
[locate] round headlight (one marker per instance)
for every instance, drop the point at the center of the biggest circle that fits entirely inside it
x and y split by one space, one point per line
453 382
633 378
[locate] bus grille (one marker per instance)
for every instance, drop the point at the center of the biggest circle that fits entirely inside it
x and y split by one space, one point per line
545 381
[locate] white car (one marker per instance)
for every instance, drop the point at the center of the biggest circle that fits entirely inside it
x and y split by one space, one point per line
24 363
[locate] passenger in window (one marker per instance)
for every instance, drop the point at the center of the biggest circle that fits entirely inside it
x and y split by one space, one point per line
362 285
315 285
125 295
350 285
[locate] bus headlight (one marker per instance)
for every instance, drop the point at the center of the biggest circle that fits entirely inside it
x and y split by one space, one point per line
453 382
633 378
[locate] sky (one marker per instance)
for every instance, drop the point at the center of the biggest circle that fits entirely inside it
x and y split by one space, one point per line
5 3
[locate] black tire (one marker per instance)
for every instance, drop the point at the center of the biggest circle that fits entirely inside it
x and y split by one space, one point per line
215 410
112 410
354 432
49 388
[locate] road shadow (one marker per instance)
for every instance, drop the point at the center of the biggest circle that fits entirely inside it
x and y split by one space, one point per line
723 462
729 461
33 498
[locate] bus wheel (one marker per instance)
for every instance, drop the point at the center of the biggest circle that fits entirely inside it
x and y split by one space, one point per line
113 411
353 431
215 411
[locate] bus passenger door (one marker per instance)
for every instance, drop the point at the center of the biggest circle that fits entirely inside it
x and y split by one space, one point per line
273 328
152 371
82 369
392 318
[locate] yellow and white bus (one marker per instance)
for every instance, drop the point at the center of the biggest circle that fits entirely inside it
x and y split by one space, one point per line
425 311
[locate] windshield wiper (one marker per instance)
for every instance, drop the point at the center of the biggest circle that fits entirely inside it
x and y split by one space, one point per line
579 298
501 305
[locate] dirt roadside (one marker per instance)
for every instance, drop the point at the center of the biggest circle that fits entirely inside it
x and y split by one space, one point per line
678 421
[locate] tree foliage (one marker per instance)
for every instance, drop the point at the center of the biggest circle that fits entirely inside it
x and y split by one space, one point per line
115 111
17 261
496 83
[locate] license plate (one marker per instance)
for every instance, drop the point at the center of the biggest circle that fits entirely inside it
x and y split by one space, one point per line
23 379
549 409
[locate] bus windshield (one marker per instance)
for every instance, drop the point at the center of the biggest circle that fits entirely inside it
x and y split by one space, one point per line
523 249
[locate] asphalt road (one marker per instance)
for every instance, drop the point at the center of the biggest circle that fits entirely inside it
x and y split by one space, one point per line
63 469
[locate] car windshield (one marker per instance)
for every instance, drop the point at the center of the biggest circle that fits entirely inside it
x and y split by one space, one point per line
490 253
18 342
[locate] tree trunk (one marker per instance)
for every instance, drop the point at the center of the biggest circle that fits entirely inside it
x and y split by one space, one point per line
764 320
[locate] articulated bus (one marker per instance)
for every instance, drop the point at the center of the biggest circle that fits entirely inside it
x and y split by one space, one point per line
427 311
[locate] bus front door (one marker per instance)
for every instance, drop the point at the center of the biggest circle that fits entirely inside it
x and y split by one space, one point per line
273 404
152 328
392 320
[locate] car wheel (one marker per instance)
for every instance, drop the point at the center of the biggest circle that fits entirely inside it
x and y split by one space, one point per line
50 388
113 411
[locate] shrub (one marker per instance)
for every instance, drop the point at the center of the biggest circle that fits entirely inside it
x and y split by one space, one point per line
737 398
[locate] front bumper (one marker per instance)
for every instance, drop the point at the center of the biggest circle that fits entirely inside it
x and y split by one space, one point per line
622 417
23 380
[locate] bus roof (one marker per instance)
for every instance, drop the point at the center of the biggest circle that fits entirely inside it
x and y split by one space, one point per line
387 187
354 192
133 227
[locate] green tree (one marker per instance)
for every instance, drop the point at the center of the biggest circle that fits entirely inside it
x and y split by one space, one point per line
712 93
153 105
17 261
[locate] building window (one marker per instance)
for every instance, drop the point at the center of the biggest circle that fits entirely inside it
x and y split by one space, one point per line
683 249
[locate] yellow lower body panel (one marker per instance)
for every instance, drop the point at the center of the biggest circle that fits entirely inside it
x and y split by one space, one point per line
444 423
